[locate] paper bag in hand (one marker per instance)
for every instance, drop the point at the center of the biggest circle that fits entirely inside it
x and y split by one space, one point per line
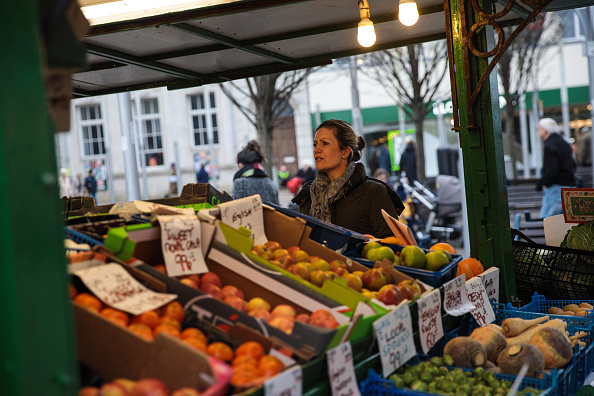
400 230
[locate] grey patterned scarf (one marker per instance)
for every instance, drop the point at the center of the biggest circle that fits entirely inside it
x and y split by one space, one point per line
324 193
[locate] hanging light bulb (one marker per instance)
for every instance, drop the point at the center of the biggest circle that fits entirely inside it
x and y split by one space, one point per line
408 14
366 31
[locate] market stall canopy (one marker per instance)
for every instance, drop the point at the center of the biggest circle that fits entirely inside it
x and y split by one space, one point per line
185 44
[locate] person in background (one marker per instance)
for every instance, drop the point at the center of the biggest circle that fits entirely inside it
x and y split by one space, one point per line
406 215
283 175
306 173
342 193
384 160
77 185
584 147
91 186
374 162
558 167
65 184
172 181
202 174
408 161
251 178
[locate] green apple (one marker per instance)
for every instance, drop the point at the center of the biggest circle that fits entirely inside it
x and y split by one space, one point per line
412 256
368 247
448 254
435 261
380 253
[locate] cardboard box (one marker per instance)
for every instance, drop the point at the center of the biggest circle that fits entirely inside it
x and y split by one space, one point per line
114 352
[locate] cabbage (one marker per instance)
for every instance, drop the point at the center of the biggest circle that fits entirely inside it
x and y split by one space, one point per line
580 237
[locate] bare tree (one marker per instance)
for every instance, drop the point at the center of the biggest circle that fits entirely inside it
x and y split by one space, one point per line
514 69
263 99
411 76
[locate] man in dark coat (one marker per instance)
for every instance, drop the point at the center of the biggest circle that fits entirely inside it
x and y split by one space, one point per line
408 161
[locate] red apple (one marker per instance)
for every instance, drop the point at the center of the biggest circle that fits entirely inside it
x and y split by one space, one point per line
405 292
236 302
331 323
318 277
340 271
210 277
213 290
303 318
189 282
260 313
413 286
280 252
283 310
299 270
194 277
323 314
230 290
284 323
112 389
300 255
390 295
387 274
373 279
272 246
88 391
353 281
127 383
291 249
286 261
262 251
150 387
186 392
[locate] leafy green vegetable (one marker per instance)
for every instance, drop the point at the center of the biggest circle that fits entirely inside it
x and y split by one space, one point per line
580 237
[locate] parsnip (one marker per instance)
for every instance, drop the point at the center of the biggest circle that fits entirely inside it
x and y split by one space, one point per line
511 327
525 336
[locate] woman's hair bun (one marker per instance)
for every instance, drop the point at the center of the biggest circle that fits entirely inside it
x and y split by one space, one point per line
361 143
253 145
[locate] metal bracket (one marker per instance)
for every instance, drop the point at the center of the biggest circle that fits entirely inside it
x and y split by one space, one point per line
469 49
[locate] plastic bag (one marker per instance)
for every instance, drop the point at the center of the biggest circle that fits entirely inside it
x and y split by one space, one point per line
294 184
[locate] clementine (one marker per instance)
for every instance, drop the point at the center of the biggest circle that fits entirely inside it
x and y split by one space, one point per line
174 310
72 292
166 328
244 359
170 321
464 268
192 332
220 350
88 301
475 266
149 318
445 246
142 330
270 366
250 348
115 315
196 343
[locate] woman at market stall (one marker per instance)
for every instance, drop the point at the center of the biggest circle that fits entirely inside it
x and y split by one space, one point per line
251 178
341 193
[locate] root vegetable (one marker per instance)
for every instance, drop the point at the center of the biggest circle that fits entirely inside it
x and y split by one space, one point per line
555 311
466 352
554 346
492 340
586 305
524 338
570 307
513 326
495 327
512 358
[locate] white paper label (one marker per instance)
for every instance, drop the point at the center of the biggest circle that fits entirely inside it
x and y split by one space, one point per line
395 338
483 311
491 282
113 285
341 371
455 301
430 325
287 383
181 242
248 213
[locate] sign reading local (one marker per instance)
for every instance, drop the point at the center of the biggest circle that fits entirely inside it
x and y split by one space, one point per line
248 213
483 311
430 325
395 338
113 285
181 243
341 370
455 301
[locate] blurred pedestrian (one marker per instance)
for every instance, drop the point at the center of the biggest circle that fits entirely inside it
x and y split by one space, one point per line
91 186
251 178
408 161
384 159
77 186
283 175
202 174
65 183
172 181
306 173
584 147
558 167
374 162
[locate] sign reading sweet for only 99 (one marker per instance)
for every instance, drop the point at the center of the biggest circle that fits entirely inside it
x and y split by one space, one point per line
395 338
430 325
181 242
483 311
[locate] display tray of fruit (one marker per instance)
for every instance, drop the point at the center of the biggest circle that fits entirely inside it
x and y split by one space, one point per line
433 267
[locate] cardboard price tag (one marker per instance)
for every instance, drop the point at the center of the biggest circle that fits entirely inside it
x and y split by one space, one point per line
455 301
395 338
430 325
155 208
181 243
113 285
287 383
248 213
341 371
491 282
483 311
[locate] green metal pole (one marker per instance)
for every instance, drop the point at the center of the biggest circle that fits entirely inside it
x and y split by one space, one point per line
482 149
37 343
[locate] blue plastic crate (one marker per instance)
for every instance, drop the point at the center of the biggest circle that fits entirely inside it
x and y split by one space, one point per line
541 305
375 385
332 236
586 363
78 237
432 278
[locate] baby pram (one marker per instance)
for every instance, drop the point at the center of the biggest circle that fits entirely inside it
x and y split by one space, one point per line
436 214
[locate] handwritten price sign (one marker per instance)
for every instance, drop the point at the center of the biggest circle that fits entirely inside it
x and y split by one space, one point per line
455 301
341 372
395 338
430 325
113 285
491 282
181 242
483 311
287 383
248 213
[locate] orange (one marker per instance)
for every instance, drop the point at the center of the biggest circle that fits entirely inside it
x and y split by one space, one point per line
475 265
270 366
244 359
250 348
192 332
246 368
220 350
393 241
174 310
196 343
444 246
170 321
165 328
149 318
464 268
142 330
72 292
115 315
88 301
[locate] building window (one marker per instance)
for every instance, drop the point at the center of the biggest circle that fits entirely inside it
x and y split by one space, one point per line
93 138
204 119
152 140
572 28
